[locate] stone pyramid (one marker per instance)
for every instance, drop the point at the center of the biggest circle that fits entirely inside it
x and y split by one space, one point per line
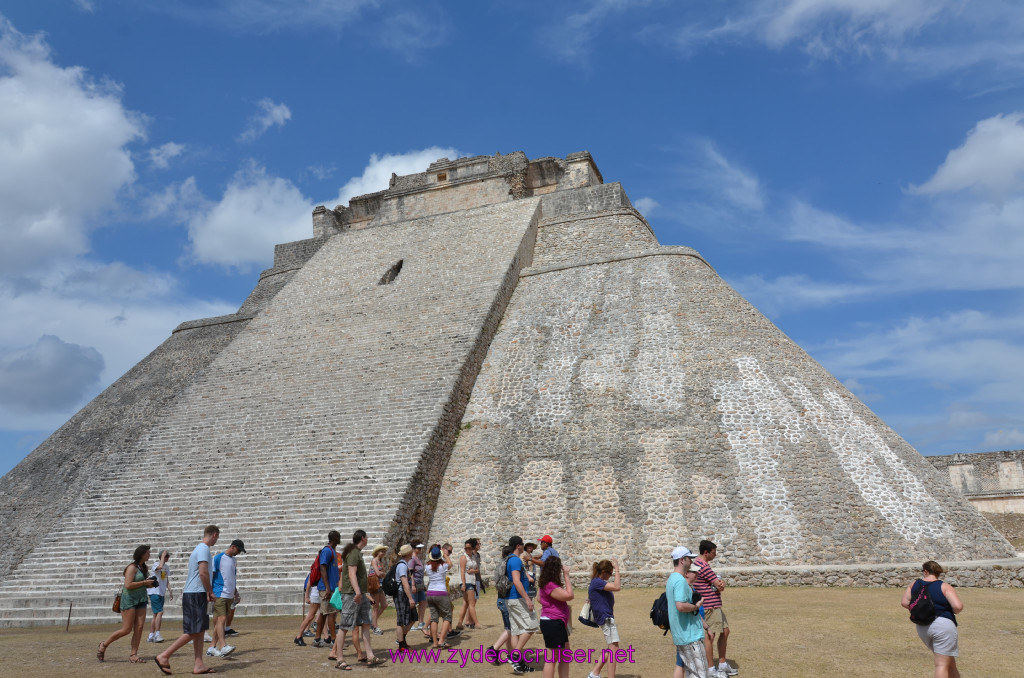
493 346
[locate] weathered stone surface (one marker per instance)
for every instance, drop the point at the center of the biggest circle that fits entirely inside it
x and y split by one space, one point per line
992 481
624 399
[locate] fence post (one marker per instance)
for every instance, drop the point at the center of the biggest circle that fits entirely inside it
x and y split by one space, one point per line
68 627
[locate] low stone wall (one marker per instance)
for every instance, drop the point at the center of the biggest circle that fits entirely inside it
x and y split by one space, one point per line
980 574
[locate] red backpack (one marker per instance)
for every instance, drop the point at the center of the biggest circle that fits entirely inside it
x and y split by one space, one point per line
314 569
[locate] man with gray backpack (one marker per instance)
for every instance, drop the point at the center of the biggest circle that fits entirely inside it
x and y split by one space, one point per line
521 615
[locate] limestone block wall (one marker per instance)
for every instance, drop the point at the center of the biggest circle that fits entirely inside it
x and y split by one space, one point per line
992 481
588 224
630 406
335 407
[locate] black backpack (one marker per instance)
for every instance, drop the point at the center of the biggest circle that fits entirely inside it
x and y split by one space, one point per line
390 584
659 613
922 609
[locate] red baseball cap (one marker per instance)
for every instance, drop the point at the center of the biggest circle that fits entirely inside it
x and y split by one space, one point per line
546 539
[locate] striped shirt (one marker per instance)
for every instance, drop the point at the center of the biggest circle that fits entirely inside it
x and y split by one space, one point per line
704 584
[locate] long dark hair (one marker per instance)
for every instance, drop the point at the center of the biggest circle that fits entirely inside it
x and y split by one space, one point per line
552 571
357 537
137 561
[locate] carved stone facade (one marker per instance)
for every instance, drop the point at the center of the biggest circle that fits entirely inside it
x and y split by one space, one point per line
992 481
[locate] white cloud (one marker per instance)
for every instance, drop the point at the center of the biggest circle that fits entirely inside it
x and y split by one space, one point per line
256 212
738 186
990 161
1002 439
570 37
377 174
122 328
85 5
923 36
49 376
267 15
162 155
646 206
270 115
63 153
797 292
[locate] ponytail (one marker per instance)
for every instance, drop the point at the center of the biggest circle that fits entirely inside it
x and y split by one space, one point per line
600 566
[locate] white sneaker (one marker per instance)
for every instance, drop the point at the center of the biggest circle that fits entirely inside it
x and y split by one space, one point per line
727 670
214 652
713 673
208 638
593 675
149 638
157 638
226 650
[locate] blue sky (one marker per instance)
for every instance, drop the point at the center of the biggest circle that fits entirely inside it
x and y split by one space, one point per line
854 167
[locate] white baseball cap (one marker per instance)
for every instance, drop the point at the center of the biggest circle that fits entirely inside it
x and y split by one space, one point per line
681 552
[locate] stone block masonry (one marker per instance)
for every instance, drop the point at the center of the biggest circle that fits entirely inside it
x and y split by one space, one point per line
334 407
992 481
492 346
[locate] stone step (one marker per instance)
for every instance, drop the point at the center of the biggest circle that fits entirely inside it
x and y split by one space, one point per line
103 615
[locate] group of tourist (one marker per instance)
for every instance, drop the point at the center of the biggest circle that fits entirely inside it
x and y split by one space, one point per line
210 579
339 583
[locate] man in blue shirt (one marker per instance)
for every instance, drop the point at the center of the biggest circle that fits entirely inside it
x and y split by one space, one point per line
195 594
546 551
329 577
522 618
684 619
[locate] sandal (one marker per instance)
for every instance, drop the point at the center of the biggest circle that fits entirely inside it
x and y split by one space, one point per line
376 661
164 668
101 652
207 670
136 659
443 646
343 666
331 659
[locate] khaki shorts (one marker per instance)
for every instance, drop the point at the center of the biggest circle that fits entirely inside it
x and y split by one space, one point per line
221 607
520 618
716 620
611 631
325 604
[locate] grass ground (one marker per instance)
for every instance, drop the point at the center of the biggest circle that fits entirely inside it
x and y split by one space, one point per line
777 633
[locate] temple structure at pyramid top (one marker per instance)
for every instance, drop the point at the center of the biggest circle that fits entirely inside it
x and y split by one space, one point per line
494 346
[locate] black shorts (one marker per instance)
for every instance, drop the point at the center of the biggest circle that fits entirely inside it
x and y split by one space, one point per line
556 636
194 615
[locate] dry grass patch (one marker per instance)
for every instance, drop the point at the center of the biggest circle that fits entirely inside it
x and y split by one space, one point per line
777 633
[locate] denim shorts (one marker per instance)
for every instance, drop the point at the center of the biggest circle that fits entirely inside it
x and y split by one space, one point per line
157 603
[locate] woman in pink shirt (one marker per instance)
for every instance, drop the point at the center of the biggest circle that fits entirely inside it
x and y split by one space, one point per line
554 597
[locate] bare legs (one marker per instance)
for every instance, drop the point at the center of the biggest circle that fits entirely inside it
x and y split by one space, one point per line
468 605
945 667
163 659
132 621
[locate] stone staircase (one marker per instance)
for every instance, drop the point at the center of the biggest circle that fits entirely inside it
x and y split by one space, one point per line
323 413
81 561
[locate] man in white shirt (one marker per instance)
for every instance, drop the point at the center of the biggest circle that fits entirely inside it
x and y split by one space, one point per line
197 592
159 594
225 589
